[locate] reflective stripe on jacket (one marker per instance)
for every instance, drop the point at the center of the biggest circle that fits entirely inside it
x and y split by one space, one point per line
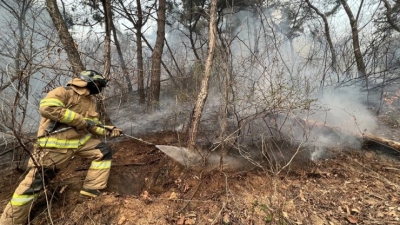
51 142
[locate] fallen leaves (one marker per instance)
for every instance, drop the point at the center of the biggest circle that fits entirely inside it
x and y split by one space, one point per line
187 219
301 196
146 197
173 196
352 219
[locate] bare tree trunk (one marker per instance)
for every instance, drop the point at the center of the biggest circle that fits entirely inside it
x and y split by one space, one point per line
139 51
154 97
202 96
356 42
224 116
162 62
107 57
107 38
122 60
65 36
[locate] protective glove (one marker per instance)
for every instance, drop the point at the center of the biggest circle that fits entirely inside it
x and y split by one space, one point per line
113 131
81 126
90 123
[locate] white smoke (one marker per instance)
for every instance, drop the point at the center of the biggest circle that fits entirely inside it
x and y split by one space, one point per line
337 119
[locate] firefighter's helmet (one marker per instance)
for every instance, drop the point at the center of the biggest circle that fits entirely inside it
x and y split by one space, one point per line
93 76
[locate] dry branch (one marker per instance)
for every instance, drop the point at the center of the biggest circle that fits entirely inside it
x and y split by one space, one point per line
383 141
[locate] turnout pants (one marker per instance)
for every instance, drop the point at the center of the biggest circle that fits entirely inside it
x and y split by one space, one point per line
49 161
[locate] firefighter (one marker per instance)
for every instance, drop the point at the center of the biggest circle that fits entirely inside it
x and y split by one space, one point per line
69 119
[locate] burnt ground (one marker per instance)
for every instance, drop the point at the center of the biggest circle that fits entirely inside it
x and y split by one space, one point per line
147 187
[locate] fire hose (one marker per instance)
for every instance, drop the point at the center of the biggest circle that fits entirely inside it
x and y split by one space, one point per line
138 139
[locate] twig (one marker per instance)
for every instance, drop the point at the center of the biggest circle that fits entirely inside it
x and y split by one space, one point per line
9 150
391 168
219 214
197 188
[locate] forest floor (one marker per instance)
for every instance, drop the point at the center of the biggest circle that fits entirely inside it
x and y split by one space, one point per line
146 186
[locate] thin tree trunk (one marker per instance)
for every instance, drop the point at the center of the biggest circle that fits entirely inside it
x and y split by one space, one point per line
154 98
65 36
162 62
202 96
224 119
138 23
328 37
139 51
192 25
356 42
107 38
122 60
176 64
107 58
